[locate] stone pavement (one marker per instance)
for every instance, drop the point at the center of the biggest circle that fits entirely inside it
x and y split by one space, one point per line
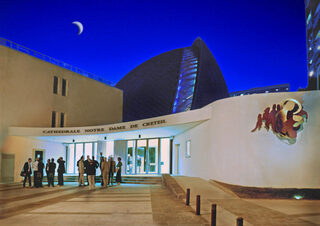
264 212
118 205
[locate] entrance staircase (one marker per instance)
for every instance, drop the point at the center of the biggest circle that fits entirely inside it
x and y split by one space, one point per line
125 179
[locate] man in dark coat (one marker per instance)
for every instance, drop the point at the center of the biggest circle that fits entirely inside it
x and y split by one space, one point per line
40 172
86 163
61 171
27 169
96 165
101 161
52 170
112 165
91 170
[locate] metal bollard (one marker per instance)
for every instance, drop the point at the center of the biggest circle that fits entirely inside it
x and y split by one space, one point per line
213 215
188 197
198 205
239 221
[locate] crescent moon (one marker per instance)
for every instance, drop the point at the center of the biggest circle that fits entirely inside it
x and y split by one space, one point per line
79 25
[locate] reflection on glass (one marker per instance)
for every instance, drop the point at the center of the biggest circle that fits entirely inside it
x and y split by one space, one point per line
141 156
79 153
153 156
70 159
87 150
165 155
110 149
130 157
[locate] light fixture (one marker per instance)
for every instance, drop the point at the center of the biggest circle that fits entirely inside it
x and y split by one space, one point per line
105 138
139 135
298 197
311 73
73 141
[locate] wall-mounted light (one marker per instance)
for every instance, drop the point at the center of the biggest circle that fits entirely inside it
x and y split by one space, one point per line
105 138
139 135
73 141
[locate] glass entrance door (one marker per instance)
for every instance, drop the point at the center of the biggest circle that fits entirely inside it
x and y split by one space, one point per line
143 156
153 156
142 165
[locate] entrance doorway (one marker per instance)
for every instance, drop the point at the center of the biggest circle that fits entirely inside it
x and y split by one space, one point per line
143 156
38 153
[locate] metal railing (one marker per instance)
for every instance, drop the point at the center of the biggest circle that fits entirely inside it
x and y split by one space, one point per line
15 46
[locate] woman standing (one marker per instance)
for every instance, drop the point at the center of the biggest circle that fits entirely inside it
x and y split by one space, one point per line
119 165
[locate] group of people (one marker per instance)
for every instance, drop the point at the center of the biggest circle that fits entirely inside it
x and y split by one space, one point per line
108 168
37 167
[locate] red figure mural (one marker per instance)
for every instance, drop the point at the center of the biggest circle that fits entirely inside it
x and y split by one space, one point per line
285 119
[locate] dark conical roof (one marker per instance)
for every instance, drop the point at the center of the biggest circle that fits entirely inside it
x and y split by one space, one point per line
154 87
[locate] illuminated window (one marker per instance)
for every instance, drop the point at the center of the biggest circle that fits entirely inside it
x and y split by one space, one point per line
309 18
187 81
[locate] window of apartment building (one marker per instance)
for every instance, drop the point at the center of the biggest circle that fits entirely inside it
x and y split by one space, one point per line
64 87
55 84
62 119
53 119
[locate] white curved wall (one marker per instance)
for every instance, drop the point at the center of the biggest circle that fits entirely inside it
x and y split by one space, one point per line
224 148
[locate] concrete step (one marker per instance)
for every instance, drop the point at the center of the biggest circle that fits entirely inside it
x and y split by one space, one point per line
125 179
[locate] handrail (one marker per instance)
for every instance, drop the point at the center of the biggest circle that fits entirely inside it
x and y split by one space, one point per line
41 56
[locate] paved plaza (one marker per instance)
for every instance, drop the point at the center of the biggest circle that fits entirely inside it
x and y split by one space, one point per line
132 204
118 205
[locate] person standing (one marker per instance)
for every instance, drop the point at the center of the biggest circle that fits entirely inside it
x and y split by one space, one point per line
112 169
61 171
35 173
47 170
91 169
27 169
40 173
96 165
118 176
104 172
101 161
80 164
52 170
86 163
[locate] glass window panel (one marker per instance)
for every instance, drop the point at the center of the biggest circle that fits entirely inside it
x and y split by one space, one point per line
142 142
153 156
130 157
79 153
55 84
142 167
88 150
110 149
96 151
70 159
165 155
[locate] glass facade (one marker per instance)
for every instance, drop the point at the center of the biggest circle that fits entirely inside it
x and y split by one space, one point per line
148 156
187 82
143 156
74 153
313 42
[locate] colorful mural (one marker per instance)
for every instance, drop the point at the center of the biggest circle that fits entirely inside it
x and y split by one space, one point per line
285 120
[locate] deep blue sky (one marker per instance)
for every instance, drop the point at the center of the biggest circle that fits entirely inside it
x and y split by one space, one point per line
255 42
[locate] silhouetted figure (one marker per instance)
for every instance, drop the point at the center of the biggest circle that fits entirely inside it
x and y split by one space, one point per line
52 170
61 171
40 173
27 170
